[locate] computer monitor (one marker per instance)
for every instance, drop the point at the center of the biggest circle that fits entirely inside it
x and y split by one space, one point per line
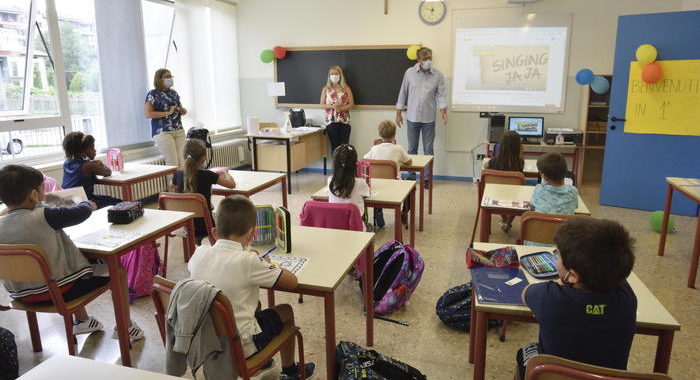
526 126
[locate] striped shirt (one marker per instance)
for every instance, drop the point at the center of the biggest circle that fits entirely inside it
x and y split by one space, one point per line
422 94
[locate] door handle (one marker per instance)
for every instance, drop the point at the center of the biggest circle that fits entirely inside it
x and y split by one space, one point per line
614 119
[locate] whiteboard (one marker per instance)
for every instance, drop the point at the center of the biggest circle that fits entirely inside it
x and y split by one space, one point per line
508 60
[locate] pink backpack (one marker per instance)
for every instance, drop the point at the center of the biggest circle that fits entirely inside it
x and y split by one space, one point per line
141 265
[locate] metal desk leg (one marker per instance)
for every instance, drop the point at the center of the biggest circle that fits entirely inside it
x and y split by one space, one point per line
412 221
472 328
480 347
126 192
324 165
121 306
329 308
664 224
398 226
484 228
663 351
422 199
695 258
284 191
255 154
430 190
289 165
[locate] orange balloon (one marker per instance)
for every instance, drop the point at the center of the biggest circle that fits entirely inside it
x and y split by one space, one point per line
652 73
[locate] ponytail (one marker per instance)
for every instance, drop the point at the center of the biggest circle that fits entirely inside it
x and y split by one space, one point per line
344 171
193 151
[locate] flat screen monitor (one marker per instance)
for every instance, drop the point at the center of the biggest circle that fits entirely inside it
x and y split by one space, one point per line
526 126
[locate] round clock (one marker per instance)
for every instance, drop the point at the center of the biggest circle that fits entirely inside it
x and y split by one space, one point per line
432 12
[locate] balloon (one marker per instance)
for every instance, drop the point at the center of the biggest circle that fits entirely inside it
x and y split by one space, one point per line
267 56
280 52
412 52
652 73
600 85
646 54
656 218
584 76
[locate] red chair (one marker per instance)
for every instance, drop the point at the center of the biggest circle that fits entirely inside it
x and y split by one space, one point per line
540 227
189 202
221 313
548 367
494 176
383 169
27 262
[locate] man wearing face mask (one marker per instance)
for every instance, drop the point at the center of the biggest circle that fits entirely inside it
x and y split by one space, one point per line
422 93
163 107
337 100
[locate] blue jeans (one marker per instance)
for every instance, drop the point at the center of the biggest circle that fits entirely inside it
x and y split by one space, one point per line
414 131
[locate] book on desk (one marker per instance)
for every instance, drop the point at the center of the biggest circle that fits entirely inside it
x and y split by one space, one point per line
491 285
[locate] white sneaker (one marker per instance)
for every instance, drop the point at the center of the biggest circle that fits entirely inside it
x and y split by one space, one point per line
135 332
87 326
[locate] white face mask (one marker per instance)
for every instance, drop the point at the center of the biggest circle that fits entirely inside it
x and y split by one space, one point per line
168 82
335 78
426 65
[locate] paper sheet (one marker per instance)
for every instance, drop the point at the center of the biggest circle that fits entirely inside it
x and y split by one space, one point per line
290 263
108 238
276 89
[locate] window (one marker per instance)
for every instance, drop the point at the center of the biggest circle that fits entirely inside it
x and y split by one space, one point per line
158 21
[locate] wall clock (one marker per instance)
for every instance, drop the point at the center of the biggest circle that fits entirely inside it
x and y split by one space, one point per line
432 12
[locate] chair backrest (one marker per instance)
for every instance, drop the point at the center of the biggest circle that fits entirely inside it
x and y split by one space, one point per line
23 262
548 367
540 227
189 202
383 169
500 177
379 141
339 216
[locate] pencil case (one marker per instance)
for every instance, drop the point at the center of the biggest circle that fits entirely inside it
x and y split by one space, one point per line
125 212
540 264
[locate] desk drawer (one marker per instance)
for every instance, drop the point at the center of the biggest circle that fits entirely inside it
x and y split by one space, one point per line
273 157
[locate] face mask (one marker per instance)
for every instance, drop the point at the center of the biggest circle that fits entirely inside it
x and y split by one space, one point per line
168 82
426 65
335 78
565 279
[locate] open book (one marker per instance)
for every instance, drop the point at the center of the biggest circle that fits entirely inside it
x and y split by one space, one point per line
506 203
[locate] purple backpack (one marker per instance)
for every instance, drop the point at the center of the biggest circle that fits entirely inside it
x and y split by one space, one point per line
397 270
141 265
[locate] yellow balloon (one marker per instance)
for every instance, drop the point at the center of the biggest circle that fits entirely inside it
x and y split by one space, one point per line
646 54
412 52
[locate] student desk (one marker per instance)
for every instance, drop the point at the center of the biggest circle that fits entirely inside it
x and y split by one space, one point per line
153 225
325 271
530 169
690 187
387 193
301 146
74 367
418 164
133 174
572 150
510 192
249 183
652 318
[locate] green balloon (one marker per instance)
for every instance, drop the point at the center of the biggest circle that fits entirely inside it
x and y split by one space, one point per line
656 219
267 56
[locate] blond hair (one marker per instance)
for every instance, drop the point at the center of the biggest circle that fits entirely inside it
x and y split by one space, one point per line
387 129
158 79
341 83
422 52
194 152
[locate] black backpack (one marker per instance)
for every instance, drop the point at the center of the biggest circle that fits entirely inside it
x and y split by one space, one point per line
454 308
9 366
354 362
297 117
199 133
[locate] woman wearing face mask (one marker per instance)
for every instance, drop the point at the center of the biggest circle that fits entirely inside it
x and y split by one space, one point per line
337 99
164 109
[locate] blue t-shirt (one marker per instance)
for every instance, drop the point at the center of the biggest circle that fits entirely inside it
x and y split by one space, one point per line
162 101
555 199
73 177
593 328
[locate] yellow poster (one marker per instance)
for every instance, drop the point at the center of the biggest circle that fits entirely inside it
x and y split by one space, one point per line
669 107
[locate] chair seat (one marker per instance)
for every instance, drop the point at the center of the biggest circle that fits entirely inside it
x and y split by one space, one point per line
52 309
262 356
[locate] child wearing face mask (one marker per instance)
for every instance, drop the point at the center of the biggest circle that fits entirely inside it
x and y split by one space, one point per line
194 179
81 168
554 195
589 314
337 99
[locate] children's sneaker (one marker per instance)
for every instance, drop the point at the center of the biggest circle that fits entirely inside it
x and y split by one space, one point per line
411 176
135 332
87 326
379 217
293 373
404 220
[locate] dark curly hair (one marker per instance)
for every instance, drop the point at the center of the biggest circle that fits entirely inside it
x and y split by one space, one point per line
75 144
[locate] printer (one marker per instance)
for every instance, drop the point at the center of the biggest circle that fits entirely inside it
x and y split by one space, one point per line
571 135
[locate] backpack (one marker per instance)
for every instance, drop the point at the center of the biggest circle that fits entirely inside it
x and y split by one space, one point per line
297 117
9 366
397 270
141 265
454 308
354 362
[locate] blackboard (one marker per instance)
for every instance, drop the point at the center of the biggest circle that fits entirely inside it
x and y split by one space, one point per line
373 74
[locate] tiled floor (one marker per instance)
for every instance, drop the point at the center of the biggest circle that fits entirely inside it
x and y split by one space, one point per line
427 344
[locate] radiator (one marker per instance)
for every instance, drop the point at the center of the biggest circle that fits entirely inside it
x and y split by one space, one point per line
231 154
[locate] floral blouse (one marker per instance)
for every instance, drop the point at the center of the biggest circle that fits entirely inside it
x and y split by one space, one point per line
162 101
341 98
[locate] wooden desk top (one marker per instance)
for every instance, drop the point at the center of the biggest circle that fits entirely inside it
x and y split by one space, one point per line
134 172
151 223
418 161
521 193
650 312
326 267
530 166
387 191
276 133
73 367
542 145
248 181
687 186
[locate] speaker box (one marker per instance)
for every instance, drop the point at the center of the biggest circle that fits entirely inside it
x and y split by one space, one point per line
497 127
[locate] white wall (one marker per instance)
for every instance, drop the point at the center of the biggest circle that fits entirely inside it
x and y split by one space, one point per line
266 23
691 5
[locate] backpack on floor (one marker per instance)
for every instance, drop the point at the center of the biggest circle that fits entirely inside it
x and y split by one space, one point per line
454 308
354 362
397 271
141 265
9 366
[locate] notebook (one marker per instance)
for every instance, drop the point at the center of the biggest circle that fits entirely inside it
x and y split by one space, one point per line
490 285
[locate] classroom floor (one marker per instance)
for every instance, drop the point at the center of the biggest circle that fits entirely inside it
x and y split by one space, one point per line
427 344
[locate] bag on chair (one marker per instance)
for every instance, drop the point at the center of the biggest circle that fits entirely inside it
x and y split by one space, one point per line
354 362
141 265
397 271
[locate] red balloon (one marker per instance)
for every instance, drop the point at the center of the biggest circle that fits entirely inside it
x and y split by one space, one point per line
280 52
652 73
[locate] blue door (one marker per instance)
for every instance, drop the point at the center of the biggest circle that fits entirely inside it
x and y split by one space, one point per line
635 165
